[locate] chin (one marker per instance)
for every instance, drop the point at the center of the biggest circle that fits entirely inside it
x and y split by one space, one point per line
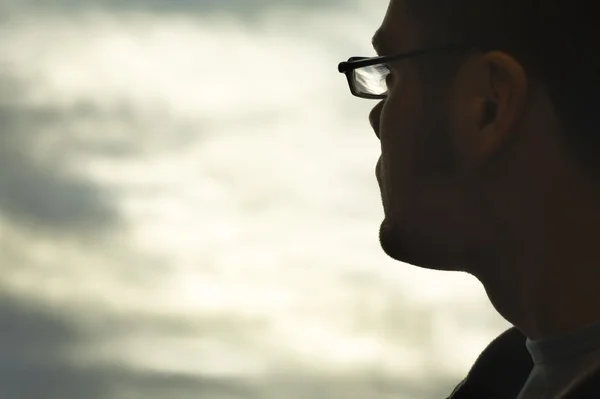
409 246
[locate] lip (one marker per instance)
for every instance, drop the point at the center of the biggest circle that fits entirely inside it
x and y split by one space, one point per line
378 171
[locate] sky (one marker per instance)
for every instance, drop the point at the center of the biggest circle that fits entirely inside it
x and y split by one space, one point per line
188 209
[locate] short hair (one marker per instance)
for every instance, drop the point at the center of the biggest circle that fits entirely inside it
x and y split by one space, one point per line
555 40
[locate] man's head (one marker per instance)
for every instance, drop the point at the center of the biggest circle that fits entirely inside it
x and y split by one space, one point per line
480 147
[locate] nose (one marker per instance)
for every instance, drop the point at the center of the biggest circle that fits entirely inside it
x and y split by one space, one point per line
375 117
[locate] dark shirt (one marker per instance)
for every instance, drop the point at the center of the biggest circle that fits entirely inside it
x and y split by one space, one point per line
566 367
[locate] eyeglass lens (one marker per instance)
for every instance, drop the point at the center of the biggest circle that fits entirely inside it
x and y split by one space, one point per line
371 80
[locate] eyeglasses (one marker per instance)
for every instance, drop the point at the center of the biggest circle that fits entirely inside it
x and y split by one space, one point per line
367 77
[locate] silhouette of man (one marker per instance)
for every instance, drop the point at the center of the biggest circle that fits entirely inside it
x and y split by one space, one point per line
488 121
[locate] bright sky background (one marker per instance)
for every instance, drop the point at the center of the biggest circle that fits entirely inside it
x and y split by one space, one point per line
188 209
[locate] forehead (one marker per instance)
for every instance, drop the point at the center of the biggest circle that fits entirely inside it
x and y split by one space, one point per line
397 32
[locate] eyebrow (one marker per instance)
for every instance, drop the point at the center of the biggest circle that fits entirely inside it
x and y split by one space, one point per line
380 44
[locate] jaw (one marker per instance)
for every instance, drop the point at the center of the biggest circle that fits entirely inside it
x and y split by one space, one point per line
412 247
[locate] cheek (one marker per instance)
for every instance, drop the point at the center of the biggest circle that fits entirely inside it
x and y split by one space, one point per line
400 116
397 134
398 131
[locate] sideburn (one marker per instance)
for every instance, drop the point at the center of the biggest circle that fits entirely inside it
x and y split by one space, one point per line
436 157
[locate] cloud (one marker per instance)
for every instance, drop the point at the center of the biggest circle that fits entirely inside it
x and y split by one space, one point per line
115 383
35 188
38 360
43 355
34 342
99 94
243 9
31 333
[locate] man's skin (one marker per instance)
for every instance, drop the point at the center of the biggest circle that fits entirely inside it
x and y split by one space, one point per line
475 177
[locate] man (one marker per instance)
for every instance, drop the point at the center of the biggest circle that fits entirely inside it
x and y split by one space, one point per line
489 138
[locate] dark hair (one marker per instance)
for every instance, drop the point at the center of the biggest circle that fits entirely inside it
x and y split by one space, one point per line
555 40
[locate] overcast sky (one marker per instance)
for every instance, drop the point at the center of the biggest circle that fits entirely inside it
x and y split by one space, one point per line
241 9
188 209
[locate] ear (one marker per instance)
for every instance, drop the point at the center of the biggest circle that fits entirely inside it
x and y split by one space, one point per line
489 99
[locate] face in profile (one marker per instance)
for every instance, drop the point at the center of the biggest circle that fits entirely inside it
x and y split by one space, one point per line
426 221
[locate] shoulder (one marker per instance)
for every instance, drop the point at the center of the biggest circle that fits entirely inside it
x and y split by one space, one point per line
587 386
500 371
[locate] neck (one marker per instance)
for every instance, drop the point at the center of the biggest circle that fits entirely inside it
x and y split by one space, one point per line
544 278
550 287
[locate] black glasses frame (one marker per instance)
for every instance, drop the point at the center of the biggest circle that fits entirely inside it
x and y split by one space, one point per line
353 63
